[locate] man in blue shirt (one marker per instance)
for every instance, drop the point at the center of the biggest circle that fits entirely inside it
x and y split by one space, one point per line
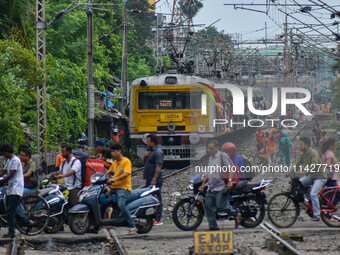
153 161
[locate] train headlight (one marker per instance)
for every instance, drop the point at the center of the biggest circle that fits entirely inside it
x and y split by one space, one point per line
145 137
194 138
171 127
132 124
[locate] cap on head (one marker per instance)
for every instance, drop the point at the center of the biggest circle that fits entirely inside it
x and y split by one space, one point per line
99 142
115 130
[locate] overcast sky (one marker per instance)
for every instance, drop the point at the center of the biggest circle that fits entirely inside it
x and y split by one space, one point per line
248 22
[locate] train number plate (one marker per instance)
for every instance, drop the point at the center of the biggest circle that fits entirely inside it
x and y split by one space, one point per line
165 117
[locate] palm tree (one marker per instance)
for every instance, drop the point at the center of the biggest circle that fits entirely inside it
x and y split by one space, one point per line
190 7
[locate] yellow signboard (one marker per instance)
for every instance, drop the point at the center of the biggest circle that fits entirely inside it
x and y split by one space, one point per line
213 242
166 117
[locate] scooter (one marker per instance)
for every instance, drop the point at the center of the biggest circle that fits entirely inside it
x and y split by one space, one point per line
89 213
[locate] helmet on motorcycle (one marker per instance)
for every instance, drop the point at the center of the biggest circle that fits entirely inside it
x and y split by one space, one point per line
229 147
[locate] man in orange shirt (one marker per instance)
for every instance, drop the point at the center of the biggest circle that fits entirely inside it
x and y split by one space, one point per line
116 135
121 183
59 161
270 149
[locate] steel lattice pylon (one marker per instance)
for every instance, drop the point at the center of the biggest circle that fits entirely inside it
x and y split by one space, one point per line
41 87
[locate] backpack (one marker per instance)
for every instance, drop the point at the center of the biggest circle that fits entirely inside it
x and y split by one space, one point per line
89 166
285 147
248 173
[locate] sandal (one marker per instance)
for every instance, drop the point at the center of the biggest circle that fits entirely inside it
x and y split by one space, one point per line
132 231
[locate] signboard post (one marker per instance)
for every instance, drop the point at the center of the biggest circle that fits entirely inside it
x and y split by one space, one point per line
213 242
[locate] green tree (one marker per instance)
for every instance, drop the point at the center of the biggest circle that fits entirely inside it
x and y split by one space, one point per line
18 77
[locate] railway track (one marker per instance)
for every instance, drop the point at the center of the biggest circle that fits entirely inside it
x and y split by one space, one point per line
281 243
136 171
115 245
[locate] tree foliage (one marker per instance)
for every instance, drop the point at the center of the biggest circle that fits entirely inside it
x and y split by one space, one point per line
190 7
66 46
18 77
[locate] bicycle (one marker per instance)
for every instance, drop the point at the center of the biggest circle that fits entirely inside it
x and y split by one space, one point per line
32 207
261 158
284 208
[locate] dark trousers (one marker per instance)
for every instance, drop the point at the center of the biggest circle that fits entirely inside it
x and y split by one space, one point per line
158 195
12 202
74 196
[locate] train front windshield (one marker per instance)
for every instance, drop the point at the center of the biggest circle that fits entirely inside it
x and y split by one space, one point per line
169 100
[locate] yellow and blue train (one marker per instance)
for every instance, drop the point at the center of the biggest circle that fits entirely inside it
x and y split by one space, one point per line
180 110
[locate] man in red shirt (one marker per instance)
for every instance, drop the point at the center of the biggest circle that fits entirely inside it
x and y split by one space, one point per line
259 137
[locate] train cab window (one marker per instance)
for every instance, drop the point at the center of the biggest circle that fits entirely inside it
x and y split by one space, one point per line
172 100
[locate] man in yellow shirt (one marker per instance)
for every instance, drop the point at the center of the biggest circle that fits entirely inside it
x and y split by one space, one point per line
121 183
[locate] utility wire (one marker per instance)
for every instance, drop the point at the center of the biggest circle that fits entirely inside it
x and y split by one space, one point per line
315 17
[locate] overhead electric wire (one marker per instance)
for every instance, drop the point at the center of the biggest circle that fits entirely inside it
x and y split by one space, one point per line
314 17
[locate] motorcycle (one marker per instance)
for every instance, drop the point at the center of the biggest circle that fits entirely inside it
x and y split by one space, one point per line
250 199
93 202
56 197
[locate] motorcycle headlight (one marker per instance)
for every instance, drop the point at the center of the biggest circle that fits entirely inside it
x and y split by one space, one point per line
190 186
94 178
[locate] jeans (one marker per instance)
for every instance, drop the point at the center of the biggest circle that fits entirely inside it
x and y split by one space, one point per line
123 196
316 188
158 195
217 201
12 202
285 158
259 147
271 158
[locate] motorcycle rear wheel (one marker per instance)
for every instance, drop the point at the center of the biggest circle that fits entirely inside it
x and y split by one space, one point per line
143 229
186 215
79 223
55 224
253 212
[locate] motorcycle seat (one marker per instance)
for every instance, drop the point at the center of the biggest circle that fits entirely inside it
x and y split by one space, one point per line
247 188
44 192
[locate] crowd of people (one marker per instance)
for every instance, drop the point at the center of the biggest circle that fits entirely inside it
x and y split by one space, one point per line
22 177
21 172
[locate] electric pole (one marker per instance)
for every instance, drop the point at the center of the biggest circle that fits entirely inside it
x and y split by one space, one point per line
124 62
90 86
41 88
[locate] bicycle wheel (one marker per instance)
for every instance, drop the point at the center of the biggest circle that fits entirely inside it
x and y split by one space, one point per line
282 210
330 213
33 214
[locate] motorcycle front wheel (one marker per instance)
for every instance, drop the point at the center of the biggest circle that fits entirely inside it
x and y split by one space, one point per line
188 215
79 223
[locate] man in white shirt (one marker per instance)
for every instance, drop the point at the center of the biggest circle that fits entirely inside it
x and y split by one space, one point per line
70 170
15 191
